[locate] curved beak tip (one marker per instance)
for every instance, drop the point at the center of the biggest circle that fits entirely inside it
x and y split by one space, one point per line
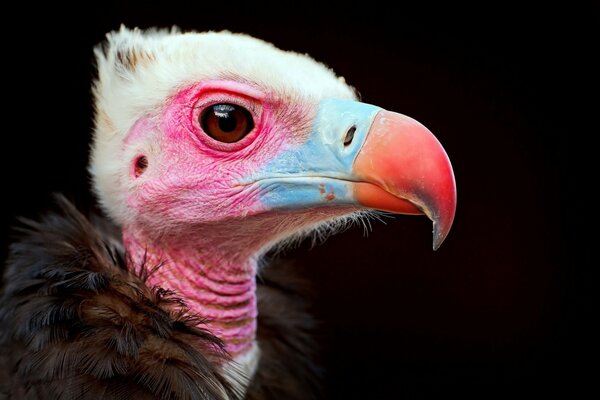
439 235
441 212
403 158
442 217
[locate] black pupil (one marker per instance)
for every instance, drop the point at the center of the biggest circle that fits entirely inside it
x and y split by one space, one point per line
226 115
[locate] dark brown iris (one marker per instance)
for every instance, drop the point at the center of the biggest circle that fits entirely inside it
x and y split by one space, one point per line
226 123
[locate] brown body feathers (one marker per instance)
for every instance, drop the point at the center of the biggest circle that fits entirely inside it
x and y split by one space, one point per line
77 323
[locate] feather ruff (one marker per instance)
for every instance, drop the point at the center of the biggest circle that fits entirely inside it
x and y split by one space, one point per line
77 323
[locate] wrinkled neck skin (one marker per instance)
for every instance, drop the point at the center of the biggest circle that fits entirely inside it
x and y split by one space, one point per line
215 283
212 267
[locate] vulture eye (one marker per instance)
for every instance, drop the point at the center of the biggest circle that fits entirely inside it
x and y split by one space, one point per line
226 123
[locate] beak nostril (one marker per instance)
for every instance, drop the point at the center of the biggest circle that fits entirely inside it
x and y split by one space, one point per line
349 136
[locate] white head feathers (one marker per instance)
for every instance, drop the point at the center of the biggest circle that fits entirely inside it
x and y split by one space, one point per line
139 70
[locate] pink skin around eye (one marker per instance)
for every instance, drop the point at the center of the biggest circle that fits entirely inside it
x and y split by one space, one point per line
190 161
180 121
187 105
190 175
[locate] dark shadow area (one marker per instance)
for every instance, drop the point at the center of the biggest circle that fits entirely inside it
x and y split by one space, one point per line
503 308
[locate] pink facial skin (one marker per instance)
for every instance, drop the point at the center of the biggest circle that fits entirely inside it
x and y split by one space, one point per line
192 215
193 178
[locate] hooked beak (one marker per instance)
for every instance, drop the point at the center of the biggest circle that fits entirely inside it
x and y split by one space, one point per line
404 169
359 154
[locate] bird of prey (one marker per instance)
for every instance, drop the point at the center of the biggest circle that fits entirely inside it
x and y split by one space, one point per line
208 150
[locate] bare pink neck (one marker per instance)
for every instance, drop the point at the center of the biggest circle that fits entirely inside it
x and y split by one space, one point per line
222 293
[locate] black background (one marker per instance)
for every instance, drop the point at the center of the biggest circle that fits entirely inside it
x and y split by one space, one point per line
502 308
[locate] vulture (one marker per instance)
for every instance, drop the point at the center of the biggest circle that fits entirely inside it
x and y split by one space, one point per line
209 149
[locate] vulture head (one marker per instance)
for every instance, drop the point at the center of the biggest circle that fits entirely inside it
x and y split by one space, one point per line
211 148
